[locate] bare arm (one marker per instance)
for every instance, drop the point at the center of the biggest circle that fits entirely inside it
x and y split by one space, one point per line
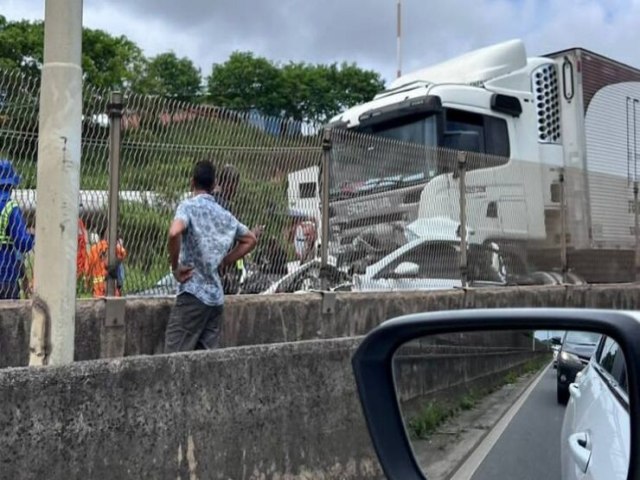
243 246
181 273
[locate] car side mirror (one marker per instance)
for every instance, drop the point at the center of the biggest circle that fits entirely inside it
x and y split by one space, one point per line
406 270
448 391
556 340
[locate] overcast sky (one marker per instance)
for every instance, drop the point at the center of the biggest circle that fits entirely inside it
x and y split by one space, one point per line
362 31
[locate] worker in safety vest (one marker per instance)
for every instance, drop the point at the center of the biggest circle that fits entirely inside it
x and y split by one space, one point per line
97 265
15 239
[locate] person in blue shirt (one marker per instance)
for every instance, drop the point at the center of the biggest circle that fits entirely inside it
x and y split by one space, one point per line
15 239
204 238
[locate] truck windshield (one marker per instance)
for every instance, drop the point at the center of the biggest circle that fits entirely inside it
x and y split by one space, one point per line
373 164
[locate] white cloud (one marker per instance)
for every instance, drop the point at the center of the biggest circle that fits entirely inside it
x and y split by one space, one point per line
358 30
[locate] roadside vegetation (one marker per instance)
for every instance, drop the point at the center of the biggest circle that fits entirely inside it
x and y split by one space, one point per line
433 414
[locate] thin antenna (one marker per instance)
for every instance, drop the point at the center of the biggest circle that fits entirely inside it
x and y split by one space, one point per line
635 140
399 36
628 145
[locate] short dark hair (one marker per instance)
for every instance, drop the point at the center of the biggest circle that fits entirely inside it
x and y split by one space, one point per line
229 175
204 175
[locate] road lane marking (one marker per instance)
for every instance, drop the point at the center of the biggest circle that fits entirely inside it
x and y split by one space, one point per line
469 467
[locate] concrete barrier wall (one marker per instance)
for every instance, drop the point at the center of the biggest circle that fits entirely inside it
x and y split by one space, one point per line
447 374
261 319
279 411
265 412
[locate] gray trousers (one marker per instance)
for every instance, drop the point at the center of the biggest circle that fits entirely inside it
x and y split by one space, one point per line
192 325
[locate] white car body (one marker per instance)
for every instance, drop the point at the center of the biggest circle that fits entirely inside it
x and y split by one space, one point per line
376 277
596 430
429 261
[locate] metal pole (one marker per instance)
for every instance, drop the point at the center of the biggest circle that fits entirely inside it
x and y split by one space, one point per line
563 227
58 180
635 192
462 166
399 37
637 229
326 178
635 140
115 118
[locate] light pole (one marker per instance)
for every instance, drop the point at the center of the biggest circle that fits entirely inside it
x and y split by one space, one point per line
399 36
54 300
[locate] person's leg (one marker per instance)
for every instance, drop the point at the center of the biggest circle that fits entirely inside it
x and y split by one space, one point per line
210 336
187 320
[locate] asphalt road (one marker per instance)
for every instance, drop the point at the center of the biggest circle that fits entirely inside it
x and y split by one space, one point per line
529 448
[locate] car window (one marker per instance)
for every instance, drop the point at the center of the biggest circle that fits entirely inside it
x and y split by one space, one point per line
435 260
582 338
611 359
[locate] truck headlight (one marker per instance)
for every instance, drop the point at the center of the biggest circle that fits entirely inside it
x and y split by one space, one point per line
570 358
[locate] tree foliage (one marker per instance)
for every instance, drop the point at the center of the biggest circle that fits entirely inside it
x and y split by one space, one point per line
107 61
244 82
300 91
21 45
171 77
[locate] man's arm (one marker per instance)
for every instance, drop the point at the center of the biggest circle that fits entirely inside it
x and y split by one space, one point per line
244 244
181 273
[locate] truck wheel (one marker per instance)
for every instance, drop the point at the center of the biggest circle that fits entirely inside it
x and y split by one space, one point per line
562 394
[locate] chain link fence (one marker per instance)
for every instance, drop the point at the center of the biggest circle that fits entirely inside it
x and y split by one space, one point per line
397 215
161 141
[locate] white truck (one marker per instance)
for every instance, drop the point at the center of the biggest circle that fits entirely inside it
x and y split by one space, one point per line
572 112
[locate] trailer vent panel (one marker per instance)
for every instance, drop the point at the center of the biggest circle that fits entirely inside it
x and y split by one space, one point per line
547 102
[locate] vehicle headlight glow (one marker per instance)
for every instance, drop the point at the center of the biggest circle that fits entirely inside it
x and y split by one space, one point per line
570 358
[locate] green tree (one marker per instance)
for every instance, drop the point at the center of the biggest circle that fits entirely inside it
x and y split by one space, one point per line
300 91
110 62
245 82
354 85
21 45
171 77
107 61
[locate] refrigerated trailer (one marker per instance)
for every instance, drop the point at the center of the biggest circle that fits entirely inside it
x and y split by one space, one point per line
537 130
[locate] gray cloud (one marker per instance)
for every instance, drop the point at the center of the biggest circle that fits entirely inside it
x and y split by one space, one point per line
358 30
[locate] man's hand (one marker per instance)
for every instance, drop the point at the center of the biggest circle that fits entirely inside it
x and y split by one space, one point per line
183 273
258 230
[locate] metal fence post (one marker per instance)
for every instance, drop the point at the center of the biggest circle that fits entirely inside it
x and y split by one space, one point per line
462 167
114 109
327 145
563 225
112 338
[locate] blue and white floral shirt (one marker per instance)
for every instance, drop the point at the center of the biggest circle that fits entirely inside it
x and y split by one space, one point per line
210 233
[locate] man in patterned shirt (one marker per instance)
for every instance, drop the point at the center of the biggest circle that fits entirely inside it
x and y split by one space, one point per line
201 238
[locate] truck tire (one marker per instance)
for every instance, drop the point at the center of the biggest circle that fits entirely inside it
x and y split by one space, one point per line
562 395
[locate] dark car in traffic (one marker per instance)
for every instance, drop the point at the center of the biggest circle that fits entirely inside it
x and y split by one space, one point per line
575 352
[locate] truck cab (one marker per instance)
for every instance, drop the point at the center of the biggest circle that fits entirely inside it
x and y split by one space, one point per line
496 105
